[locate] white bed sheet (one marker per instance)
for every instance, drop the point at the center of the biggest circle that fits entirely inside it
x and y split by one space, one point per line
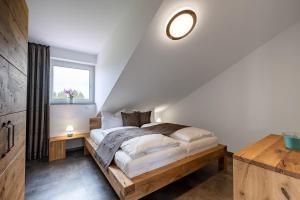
97 135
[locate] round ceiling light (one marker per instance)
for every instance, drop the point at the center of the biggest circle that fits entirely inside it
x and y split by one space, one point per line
181 24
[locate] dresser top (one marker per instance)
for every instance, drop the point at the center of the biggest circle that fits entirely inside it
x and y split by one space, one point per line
270 153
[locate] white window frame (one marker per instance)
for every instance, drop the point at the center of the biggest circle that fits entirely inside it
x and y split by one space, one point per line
73 65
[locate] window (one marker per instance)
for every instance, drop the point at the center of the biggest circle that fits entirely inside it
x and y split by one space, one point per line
78 78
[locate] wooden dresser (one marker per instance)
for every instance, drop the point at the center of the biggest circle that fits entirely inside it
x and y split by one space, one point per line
267 170
13 86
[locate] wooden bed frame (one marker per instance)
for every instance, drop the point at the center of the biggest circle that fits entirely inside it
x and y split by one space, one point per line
144 184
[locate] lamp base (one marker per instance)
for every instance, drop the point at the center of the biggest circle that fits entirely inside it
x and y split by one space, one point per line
70 134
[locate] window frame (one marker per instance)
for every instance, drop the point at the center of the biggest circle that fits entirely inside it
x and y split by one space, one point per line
72 65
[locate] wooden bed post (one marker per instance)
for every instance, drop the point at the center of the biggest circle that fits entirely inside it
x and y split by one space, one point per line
222 162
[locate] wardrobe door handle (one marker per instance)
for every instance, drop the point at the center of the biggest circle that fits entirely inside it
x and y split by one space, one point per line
5 125
11 137
8 136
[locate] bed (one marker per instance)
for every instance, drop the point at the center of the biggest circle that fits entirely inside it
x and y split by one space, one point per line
134 179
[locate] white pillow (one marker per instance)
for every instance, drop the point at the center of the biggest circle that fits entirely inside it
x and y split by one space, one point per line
191 134
140 146
109 120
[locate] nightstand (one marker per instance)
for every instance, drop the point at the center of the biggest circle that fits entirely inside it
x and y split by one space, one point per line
266 170
57 145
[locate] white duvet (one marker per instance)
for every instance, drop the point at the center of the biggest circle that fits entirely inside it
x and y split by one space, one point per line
141 146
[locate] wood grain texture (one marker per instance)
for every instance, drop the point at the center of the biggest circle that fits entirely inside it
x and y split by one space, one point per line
57 150
254 182
270 153
13 44
19 11
149 182
95 123
76 135
57 145
13 87
12 181
19 120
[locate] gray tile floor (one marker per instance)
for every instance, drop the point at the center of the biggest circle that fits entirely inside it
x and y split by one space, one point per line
78 178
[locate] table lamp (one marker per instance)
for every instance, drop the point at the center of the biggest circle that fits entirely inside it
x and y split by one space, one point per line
69 130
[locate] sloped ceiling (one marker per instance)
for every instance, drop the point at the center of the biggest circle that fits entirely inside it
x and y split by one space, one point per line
80 25
161 71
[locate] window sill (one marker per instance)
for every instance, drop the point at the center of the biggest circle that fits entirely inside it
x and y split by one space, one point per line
69 104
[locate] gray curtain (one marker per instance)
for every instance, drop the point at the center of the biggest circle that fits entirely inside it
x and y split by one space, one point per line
37 101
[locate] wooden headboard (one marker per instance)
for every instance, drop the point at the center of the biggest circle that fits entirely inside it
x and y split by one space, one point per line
95 123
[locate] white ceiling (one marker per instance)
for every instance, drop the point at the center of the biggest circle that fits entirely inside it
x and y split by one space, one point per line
162 71
81 25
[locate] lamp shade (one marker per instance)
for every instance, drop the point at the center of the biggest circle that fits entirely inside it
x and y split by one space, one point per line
158 119
70 128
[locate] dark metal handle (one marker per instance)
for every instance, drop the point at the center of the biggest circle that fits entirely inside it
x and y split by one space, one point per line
5 125
8 136
11 136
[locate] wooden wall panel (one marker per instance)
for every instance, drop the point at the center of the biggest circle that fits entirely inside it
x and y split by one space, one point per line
19 120
12 182
19 10
13 44
13 87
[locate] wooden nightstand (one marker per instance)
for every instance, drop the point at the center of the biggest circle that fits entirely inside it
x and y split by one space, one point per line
266 170
57 145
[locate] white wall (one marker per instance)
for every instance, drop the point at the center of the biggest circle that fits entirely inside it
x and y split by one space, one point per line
257 96
76 115
74 56
118 49
64 114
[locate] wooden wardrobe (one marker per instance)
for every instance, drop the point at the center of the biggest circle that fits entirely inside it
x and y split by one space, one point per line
13 86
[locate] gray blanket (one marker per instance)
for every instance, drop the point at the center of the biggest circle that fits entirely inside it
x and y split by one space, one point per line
112 142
